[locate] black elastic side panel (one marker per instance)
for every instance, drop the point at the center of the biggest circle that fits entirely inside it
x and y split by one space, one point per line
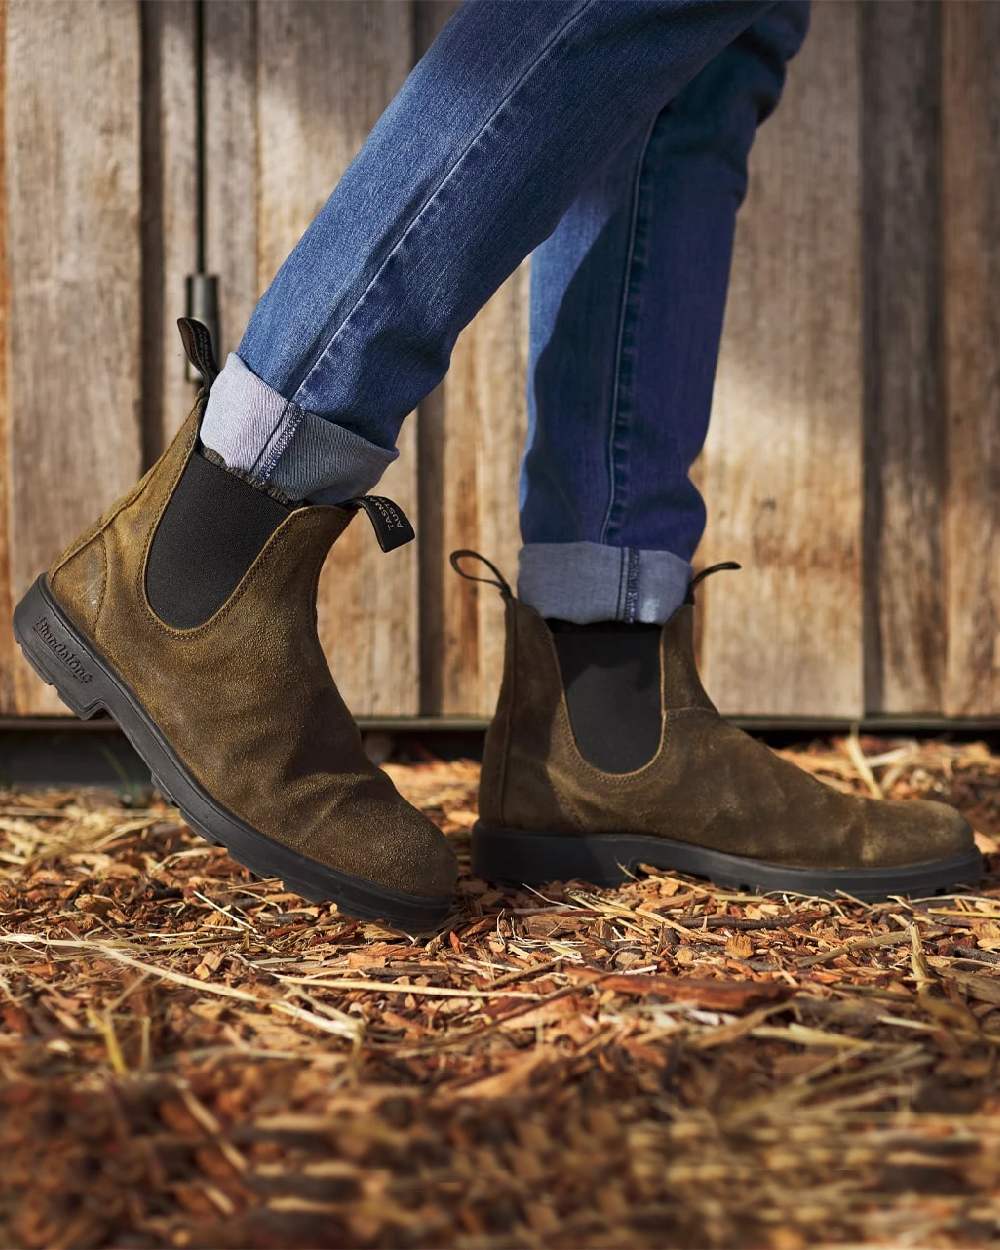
611 675
214 526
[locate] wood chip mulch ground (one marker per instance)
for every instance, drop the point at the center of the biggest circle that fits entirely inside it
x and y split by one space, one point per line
191 1058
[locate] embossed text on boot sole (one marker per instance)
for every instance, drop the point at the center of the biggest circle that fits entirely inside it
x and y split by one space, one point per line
68 656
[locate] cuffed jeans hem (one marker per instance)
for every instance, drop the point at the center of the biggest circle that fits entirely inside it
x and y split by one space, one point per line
588 582
273 440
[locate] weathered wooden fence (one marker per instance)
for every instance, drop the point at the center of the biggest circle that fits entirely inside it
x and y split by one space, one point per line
854 461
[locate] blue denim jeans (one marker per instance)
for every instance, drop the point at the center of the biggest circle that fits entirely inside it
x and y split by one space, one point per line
610 138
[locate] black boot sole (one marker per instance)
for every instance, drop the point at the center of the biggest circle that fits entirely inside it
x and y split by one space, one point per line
88 685
514 857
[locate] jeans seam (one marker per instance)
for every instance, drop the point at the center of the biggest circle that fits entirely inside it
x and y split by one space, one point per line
296 416
271 434
504 104
615 421
631 585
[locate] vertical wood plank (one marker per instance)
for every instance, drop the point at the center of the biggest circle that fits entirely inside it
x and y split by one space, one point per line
7 645
471 438
782 470
483 431
72 178
231 162
169 212
291 91
477 420
325 74
905 456
429 16
971 151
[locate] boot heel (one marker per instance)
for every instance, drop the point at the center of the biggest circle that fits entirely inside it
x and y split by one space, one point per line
57 654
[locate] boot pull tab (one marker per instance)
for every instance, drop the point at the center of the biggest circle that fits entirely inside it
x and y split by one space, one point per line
499 580
712 568
388 519
198 345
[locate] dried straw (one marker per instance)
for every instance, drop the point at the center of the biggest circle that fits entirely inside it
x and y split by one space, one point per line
191 1058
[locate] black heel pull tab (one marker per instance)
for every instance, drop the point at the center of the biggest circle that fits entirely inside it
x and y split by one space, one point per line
388 519
498 580
712 568
197 342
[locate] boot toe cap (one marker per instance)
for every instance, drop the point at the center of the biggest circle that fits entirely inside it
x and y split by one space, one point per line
423 861
386 841
915 831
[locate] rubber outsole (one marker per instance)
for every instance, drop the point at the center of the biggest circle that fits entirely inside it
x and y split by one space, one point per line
512 857
89 685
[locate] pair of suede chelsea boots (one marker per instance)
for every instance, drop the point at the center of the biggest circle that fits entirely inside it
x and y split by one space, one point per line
188 613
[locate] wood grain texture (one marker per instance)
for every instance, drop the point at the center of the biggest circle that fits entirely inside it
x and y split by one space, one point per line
905 434
169 212
854 459
8 648
484 421
782 472
325 74
470 440
73 265
429 16
971 164
231 162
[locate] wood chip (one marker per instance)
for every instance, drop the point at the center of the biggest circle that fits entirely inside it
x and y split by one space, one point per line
191 1058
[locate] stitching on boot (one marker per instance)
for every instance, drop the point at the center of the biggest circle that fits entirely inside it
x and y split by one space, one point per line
273 544
106 520
566 727
622 780
140 588
151 532
104 581
512 693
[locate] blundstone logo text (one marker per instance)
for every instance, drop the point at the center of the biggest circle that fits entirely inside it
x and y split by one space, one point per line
68 656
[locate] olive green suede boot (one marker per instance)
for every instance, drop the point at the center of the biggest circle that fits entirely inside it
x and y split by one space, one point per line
580 782
188 612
